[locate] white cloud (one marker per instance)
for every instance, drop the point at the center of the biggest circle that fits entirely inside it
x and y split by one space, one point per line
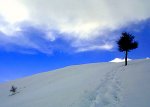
9 29
95 47
117 60
75 20
13 11
84 18
50 36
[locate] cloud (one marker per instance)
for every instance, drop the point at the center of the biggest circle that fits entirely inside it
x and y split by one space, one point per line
86 18
13 11
84 25
95 47
117 60
27 40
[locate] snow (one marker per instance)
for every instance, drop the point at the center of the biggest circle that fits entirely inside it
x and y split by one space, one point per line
120 60
90 85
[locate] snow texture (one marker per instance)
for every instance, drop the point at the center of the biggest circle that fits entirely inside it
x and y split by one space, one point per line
90 85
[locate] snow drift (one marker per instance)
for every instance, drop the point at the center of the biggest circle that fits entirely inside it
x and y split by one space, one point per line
89 85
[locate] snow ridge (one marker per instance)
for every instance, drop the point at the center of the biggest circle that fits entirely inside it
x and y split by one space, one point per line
108 94
89 85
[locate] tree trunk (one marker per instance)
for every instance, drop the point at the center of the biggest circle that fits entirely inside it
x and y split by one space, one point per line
126 56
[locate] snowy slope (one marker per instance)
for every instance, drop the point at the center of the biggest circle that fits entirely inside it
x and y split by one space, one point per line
89 85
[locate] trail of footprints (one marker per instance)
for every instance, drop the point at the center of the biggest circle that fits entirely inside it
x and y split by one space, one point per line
108 94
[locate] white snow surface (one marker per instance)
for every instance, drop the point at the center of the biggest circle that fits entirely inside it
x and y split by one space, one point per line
120 60
90 85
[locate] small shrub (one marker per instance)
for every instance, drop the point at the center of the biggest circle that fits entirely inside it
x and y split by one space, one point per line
13 90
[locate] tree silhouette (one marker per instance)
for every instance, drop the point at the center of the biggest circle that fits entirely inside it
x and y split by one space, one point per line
126 43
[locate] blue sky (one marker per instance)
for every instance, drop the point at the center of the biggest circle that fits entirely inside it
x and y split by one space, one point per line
45 35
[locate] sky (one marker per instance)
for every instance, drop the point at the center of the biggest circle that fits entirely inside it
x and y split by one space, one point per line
42 35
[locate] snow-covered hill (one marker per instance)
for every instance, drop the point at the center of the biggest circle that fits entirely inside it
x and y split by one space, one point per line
89 85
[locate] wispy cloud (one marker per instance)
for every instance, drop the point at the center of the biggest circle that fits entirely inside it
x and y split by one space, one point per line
99 47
